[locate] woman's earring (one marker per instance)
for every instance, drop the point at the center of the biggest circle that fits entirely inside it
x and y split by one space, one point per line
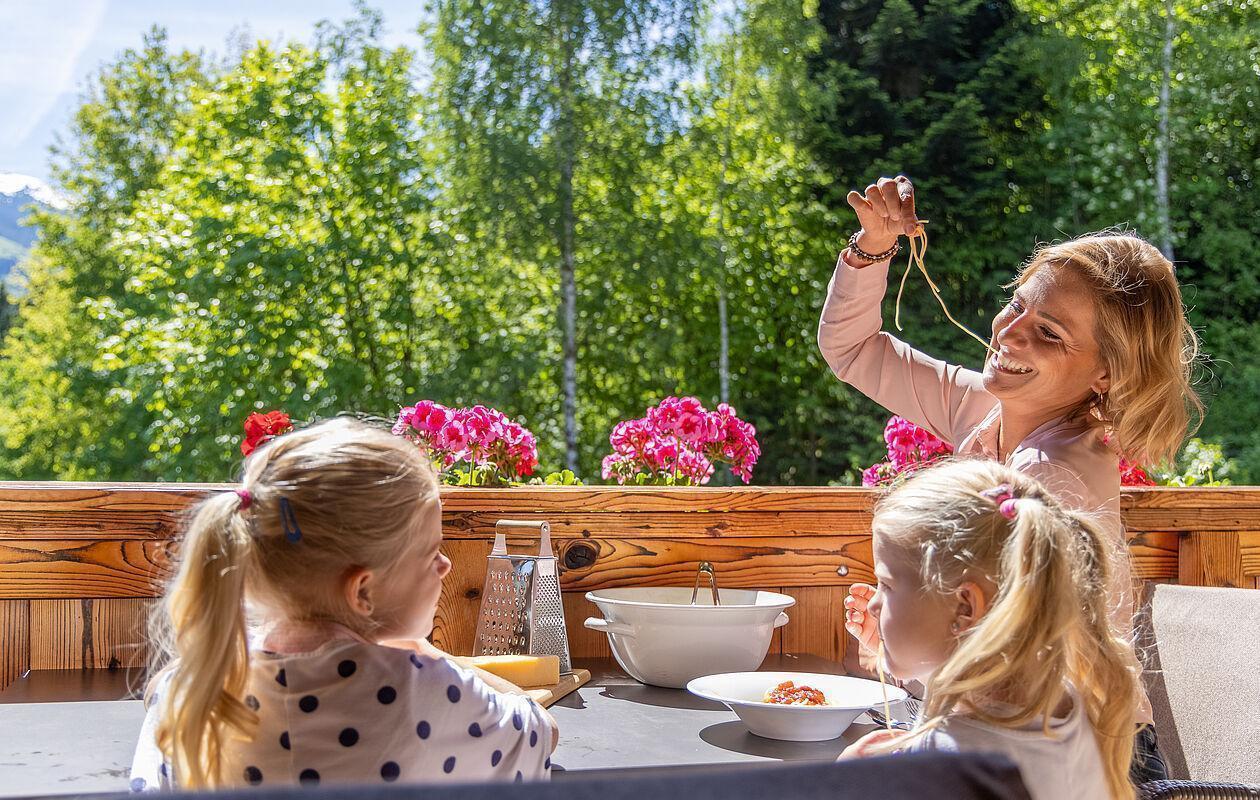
954 627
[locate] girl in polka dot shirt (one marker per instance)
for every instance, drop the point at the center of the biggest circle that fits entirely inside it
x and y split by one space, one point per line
331 544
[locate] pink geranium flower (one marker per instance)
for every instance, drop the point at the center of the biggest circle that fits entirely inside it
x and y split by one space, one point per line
492 448
679 442
909 448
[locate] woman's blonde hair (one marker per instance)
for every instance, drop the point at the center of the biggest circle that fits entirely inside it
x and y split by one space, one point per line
358 495
1048 623
1147 345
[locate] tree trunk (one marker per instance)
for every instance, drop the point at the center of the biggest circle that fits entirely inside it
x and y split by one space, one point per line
1163 142
566 144
723 188
724 333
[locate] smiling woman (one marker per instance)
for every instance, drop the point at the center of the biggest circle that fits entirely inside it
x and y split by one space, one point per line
1089 362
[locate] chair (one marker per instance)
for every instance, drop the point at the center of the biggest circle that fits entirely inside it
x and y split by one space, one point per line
1203 678
1196 790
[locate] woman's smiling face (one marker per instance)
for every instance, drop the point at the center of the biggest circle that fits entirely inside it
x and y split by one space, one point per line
1048 356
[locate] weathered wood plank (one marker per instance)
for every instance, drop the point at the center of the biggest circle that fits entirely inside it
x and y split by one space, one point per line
1249 548
58 496
40 569
90 524
460 525
91 634
15 640
750 562
592 499
816 622
455 623
1154 555
1170 498
76 569
62 496
583 642
1211 559
1221 559
108 525
1223 518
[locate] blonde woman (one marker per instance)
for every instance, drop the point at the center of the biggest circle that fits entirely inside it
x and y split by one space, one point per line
1090 361
333 540
992 593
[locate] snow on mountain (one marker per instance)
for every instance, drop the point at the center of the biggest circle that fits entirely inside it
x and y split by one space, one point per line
12 183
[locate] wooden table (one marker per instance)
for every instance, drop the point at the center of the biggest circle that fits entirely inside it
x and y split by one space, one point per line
73 732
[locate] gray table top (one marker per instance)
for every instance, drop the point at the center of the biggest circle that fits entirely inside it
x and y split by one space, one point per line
50 744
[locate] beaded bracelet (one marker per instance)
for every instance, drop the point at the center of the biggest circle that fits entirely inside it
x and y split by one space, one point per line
873 257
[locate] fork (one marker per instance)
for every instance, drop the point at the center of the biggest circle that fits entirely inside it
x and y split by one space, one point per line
912 707
883 722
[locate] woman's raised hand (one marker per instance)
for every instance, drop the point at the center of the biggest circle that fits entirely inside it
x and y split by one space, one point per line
858 619
885 211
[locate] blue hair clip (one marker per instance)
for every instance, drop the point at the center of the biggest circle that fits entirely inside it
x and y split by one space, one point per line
289 520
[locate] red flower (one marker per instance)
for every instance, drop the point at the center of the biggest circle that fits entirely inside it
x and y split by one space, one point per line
1133 475
261 427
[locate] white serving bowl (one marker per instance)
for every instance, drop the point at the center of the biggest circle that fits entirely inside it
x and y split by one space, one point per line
846 697
658 637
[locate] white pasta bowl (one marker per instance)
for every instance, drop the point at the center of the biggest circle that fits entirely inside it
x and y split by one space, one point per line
846 698
659 638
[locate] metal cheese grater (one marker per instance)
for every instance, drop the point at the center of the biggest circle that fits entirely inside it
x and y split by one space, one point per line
521 610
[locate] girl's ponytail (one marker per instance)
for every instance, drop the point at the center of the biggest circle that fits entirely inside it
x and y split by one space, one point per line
1103 664
1025 625
205 616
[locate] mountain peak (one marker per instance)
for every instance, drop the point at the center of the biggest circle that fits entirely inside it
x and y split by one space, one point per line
12 183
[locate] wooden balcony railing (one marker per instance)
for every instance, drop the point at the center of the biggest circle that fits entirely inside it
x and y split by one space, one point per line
82 564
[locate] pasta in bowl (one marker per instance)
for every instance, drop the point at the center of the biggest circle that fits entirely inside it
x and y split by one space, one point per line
796 716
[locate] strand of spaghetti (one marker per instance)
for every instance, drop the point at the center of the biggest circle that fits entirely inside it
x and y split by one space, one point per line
901 289
918 249
936 292
883 684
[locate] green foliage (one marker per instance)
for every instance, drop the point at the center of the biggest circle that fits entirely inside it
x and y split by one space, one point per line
562 478
8 310
341 226
1201 464
478 475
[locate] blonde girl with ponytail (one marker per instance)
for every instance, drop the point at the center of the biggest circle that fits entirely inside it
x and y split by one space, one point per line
331 542
993 594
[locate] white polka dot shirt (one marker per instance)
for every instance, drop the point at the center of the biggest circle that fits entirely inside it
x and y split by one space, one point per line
354 712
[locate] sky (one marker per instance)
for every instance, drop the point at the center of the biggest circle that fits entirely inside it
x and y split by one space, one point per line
48 49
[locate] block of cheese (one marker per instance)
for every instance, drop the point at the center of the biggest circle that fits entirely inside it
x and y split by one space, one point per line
525 671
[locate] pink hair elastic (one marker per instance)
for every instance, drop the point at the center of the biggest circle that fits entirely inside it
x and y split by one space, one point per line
1004 498
245 496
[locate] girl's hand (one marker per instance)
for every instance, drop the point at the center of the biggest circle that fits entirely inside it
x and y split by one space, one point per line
872 744
885 211
858 619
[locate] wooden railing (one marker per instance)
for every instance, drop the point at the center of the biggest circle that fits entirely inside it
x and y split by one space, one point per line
81 564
